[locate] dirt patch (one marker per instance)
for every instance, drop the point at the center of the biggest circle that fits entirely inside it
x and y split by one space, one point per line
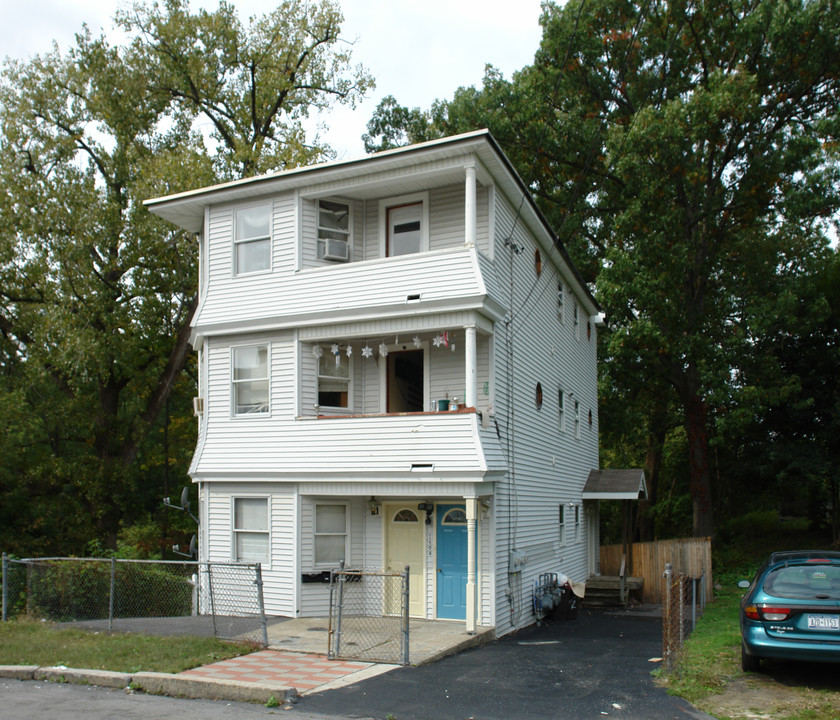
783 690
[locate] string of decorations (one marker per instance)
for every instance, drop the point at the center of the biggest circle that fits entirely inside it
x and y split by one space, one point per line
444 339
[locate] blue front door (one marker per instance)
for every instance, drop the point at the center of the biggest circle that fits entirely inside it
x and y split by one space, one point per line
451 562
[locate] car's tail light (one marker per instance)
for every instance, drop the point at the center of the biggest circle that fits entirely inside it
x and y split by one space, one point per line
765 612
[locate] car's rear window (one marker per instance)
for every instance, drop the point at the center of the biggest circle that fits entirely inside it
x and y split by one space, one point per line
804 581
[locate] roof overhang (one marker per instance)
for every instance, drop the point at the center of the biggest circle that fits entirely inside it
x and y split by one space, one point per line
615 485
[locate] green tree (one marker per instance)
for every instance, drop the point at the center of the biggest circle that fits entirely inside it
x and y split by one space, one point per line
686 153
254 85
96 294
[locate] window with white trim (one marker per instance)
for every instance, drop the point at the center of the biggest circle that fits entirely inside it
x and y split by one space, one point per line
577 419
576 320
577 523
334 378
252 240
250 530
561 405
334 230
404 224
560 300
249 380
561 523
330 542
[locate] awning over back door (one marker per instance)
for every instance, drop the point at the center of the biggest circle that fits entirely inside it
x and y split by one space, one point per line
615 485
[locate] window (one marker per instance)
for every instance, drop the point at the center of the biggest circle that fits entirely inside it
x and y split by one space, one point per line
560 300
561 523
537 262
538 396
561 403
334 379
404 224
576 320
406 516
250 530
577 523
456 516
250 380
252 240
577 419
333 230
330 534
404 229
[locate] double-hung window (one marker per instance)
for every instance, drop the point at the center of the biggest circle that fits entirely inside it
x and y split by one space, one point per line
330 542
334 379
252 240
561 404
561 523
577 419
249 381
250 530
333 230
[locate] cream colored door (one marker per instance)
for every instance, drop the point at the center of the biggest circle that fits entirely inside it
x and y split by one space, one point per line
405 531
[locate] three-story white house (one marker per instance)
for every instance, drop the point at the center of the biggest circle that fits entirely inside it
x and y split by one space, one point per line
397 366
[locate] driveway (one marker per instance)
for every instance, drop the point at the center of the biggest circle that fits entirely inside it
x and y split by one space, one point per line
598 665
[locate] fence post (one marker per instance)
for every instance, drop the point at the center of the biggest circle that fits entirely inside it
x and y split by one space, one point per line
340 609
212 598
111 598
666 615
261 601
405 615
5 581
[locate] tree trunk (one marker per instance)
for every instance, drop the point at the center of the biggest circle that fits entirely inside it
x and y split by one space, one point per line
701 479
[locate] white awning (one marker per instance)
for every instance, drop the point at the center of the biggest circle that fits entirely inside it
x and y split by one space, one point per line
615 485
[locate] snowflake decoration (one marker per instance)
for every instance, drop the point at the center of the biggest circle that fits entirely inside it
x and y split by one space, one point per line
348 351
367 351
317 351
383 350
334 349
416 341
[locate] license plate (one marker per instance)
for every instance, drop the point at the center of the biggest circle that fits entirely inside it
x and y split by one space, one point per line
824 622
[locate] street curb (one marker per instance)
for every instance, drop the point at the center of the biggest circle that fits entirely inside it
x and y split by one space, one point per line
75 676
18 672
154 683
207 689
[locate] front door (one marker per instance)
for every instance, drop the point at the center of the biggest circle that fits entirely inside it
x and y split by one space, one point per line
404 546
452 562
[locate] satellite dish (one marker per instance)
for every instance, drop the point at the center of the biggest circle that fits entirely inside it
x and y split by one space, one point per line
193 549
185 498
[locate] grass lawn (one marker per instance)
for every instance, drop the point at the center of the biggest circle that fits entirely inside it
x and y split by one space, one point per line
30 642
709 674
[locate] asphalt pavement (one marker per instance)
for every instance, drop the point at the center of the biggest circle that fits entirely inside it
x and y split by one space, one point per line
598 665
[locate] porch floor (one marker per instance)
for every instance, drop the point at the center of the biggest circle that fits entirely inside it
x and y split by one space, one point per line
429 640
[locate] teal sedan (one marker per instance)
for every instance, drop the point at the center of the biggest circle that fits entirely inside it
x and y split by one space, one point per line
791 610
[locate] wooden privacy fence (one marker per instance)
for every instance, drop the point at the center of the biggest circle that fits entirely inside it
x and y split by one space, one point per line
691 557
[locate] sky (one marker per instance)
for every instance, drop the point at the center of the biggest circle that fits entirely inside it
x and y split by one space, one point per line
417 50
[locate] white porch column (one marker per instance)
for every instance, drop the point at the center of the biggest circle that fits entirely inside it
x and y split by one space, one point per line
470 371
472 505
469 208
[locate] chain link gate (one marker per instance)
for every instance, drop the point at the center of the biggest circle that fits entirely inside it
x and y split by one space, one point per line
369 616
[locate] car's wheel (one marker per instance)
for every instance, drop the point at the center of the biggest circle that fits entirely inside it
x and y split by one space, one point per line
749 663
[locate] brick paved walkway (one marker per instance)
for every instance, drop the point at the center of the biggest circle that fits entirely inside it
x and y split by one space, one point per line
297 670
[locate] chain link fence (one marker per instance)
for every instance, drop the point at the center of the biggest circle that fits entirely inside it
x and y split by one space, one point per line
224 600
369 616
683 600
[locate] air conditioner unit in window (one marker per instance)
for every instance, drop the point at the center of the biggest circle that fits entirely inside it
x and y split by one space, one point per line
336 249
198 405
